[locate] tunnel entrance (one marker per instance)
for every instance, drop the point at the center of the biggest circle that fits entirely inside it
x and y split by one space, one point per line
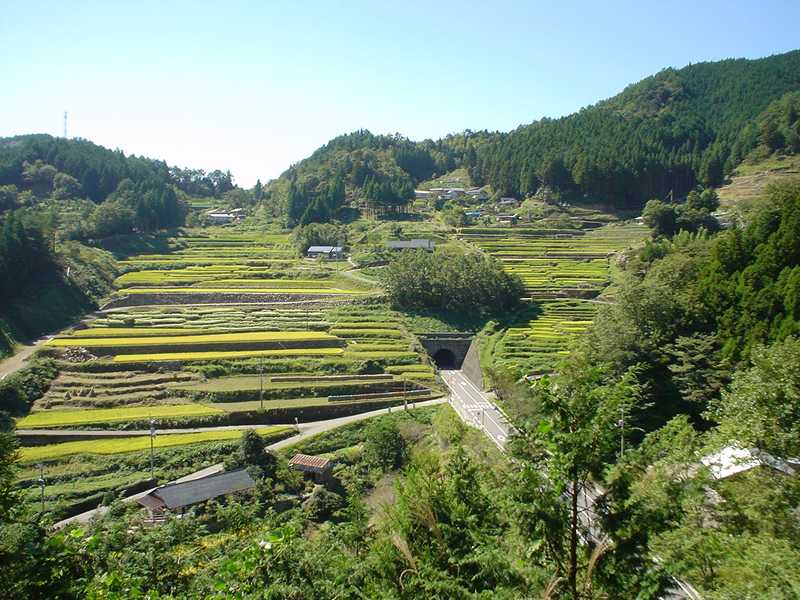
445 359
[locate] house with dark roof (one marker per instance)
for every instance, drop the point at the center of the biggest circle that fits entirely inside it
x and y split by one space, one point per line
417 244
329 252
318 467
178 496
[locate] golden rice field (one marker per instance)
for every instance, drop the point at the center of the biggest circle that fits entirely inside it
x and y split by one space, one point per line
134 444
226 354
66 418
215 338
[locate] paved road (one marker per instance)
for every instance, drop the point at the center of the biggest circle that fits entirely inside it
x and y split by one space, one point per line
306 430
475 407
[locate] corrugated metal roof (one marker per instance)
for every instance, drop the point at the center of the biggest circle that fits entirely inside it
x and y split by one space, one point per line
177 495
307 462
326 249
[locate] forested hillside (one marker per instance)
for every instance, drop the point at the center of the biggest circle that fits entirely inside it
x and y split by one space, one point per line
380 171
663 135
666 133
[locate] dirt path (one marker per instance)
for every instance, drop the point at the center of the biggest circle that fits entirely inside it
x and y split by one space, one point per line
17 361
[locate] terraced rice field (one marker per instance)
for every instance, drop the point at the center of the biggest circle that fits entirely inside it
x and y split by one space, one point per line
277 340
221 262
544 340
203 363
66 418
557 263
74 388
133 444
554 265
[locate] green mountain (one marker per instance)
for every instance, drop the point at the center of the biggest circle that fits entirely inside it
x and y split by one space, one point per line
667 133
379 170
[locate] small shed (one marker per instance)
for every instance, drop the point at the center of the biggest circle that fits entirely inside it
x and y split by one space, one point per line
329 252
177 496
318 467
417 244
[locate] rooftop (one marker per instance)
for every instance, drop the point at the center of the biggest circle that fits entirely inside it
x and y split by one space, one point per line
178 495
325 249
310 463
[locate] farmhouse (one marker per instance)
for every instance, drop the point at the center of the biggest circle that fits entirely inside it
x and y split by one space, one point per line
329 252
507 201
220 218
177 496
477 194
423 194
510 219
449 193
417 244
318 467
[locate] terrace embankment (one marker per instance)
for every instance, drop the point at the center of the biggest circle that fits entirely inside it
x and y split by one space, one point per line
188 298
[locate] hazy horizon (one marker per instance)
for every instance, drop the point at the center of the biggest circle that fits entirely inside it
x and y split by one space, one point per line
252 89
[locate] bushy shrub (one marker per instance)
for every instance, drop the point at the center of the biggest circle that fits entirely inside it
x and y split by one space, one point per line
384 447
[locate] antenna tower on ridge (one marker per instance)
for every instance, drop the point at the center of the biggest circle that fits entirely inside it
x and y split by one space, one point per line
65 124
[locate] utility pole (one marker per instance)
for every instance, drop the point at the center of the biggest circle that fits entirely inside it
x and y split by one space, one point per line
152 450
261 384
41 484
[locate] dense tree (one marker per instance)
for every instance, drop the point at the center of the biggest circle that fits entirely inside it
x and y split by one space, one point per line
574 434
664 134
451 280
254 453
8 197
24 251
761 408
384 447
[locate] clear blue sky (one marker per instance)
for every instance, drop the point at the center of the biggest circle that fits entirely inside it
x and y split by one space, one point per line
255 86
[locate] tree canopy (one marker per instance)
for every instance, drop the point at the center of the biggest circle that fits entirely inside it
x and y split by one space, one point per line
452 280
